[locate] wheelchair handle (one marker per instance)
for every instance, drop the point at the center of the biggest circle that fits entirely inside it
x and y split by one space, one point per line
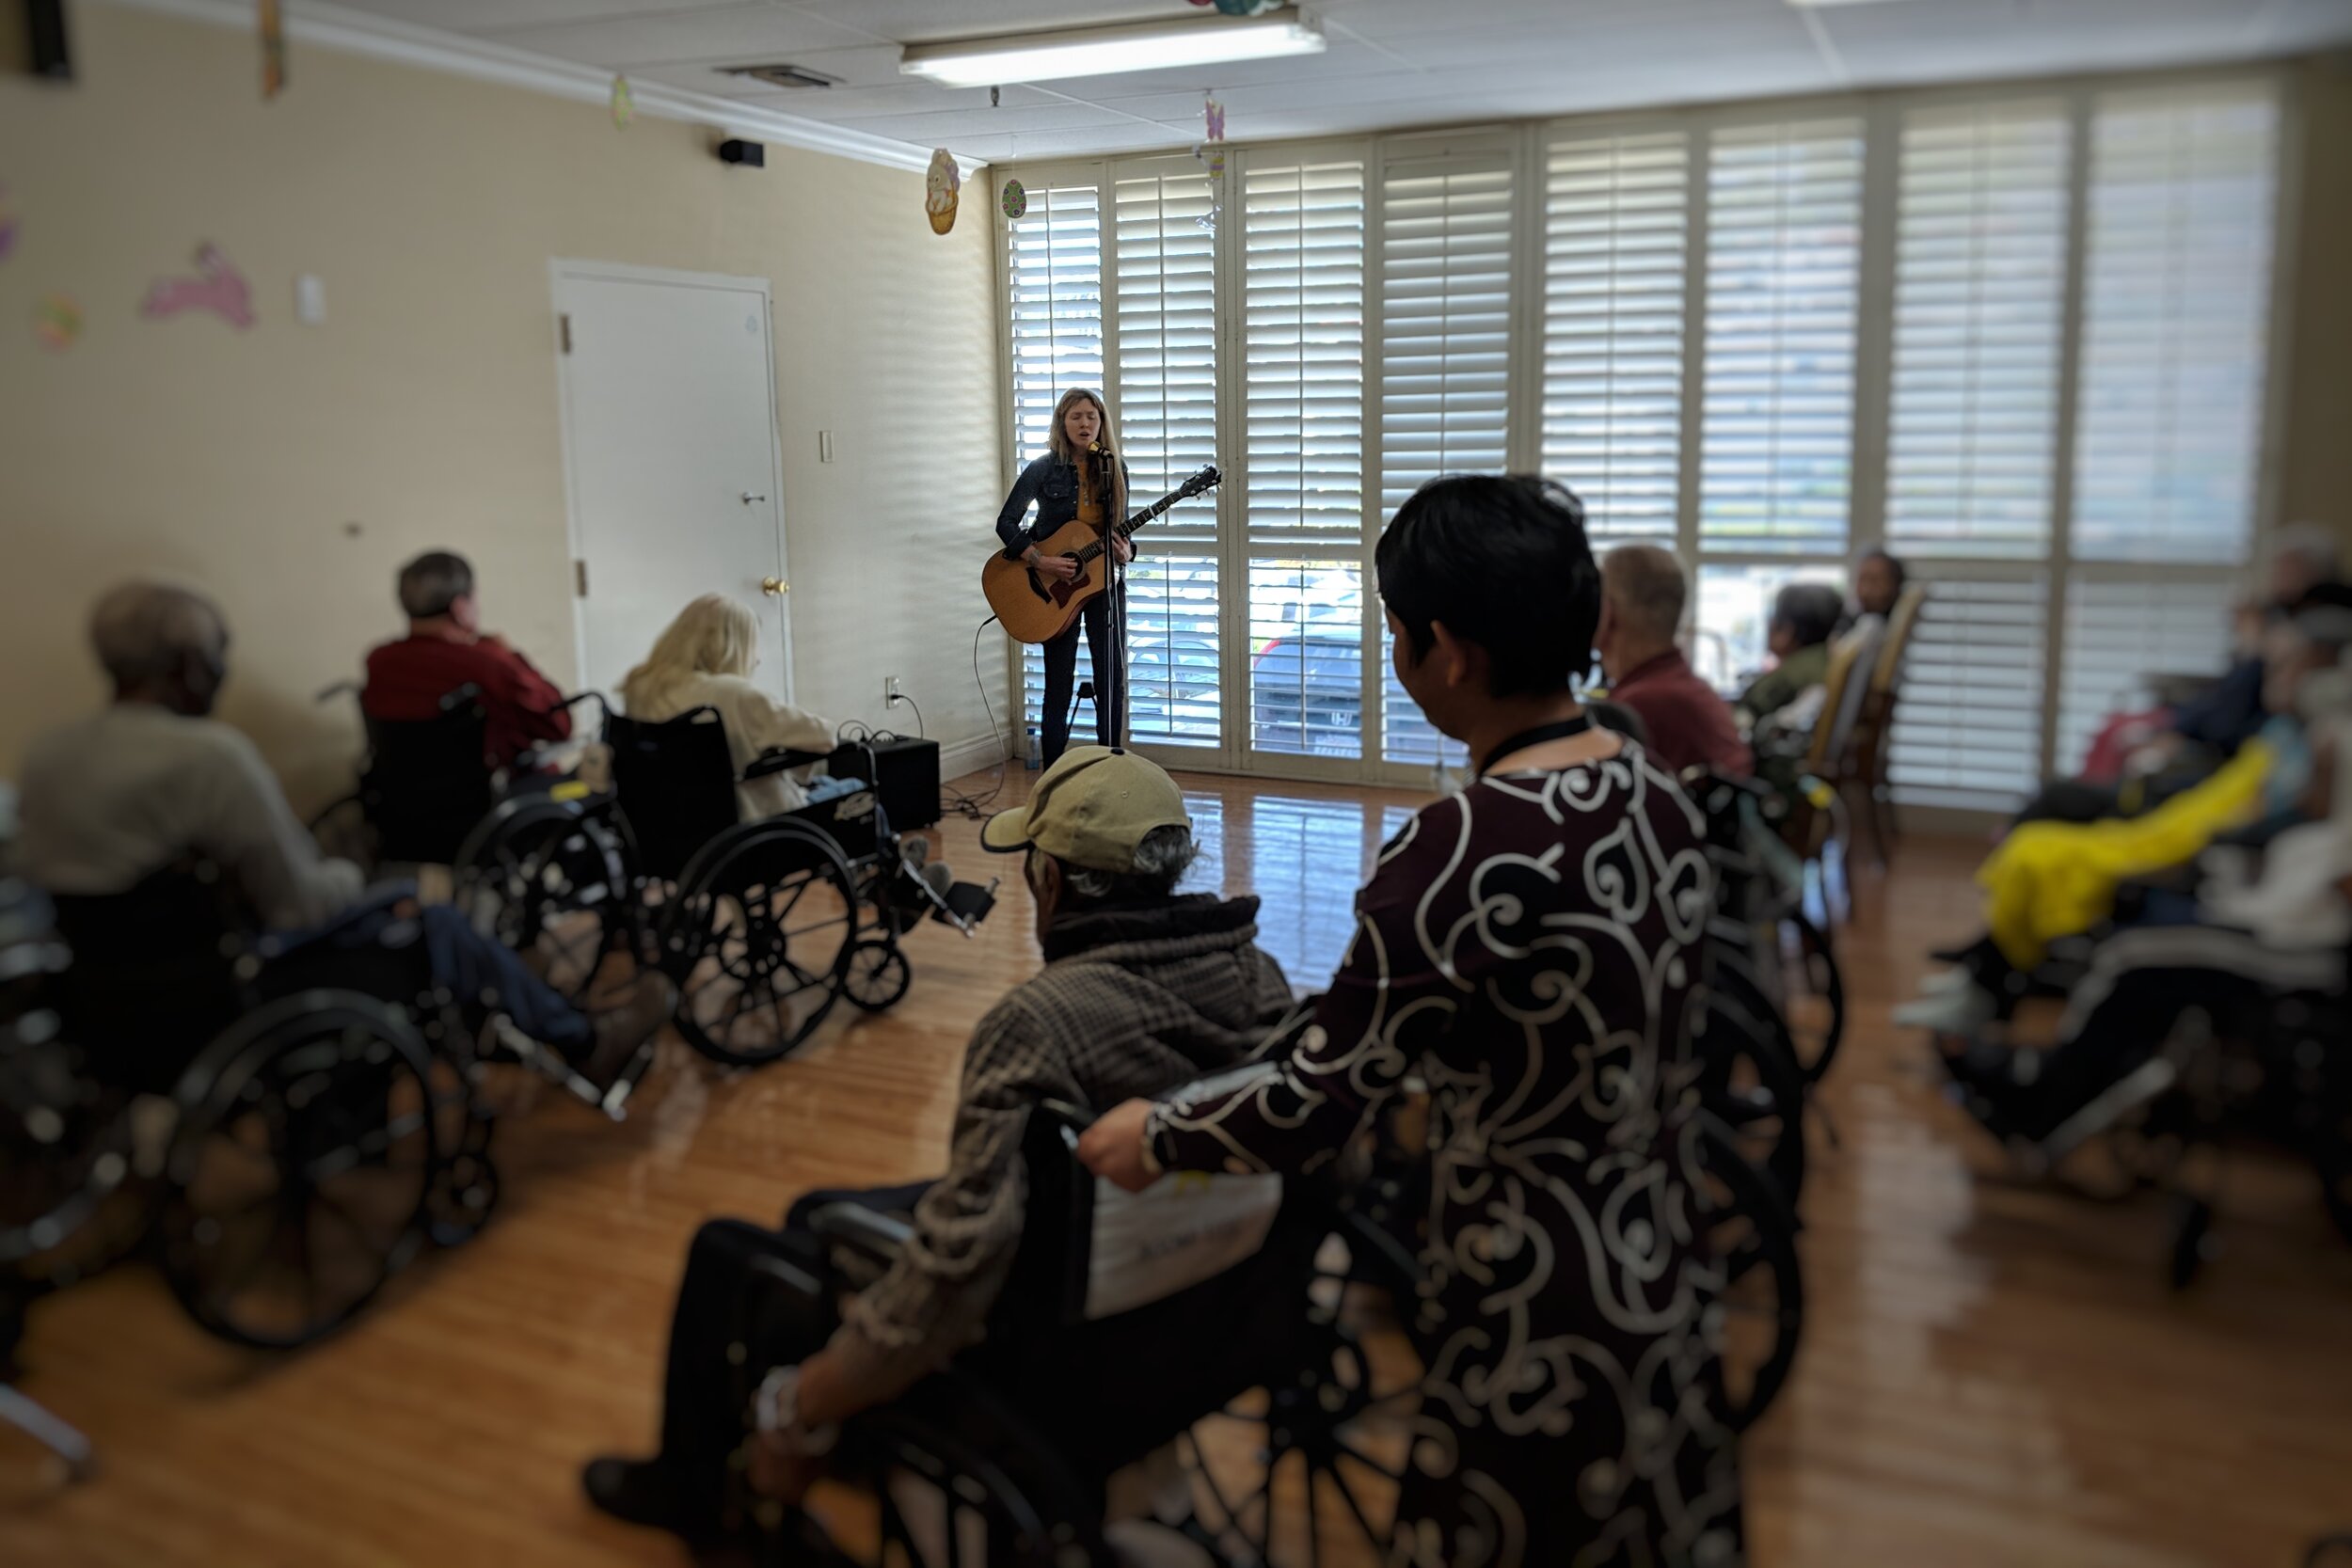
340 689
603 706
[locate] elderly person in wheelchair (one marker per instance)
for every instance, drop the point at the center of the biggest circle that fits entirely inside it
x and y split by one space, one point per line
1142 990
113 803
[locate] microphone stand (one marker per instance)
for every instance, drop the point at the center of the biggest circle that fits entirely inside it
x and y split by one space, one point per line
1114 584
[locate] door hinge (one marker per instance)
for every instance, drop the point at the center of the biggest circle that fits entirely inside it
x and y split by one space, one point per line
565 324
579 579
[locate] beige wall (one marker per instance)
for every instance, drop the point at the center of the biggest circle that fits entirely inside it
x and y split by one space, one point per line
291 468
2316 473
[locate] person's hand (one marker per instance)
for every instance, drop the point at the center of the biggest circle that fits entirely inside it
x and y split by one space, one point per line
1058 567
1114 1148
1122 548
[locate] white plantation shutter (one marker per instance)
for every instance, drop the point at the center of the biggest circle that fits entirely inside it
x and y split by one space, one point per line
1303 304
1166 304
1615 209
1969 721
1054 274
2120 633
1303 308
1445 320
1165 300
1445 335
2176 309
1980 284
1783 274
1054 279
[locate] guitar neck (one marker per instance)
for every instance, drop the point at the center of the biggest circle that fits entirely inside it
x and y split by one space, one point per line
1124 529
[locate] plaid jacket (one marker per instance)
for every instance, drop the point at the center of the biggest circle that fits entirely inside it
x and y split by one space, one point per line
1131 1002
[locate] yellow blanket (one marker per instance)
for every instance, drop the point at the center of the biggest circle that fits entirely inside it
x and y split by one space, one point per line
2052 879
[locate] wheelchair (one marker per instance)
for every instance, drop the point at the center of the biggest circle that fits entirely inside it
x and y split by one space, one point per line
2268 1069
1287 1423
764 927
281 1139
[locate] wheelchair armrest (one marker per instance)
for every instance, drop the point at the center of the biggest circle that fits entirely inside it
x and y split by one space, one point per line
863 1230
781 760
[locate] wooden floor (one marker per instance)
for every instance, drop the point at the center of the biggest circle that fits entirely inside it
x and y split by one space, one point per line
1992 1374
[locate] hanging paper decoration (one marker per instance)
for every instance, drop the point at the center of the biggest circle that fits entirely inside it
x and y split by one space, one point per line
940 185
57 322
273 25
624 106
217 287
1213 116
8 226
1246 7
1015 198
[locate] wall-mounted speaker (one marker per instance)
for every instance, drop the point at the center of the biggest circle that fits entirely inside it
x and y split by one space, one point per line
751 154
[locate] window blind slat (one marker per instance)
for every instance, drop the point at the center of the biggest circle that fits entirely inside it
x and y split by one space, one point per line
1614 252
1969 721
1783 276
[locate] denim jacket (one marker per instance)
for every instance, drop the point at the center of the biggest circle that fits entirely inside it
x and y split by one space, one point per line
1052 484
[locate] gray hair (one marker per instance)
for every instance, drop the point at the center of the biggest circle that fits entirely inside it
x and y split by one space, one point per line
2312 545
142 631
432 582
1162 858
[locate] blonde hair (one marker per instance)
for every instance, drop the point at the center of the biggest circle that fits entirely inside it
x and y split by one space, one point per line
1057 441
713 636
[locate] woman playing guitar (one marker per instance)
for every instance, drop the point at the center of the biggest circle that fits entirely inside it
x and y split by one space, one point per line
1068 482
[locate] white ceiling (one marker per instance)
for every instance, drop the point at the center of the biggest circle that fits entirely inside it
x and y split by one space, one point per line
1391 62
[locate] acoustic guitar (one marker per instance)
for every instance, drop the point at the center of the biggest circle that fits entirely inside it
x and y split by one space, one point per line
1034 608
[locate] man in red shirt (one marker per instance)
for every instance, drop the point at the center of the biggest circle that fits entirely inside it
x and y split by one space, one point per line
445 649
1642 594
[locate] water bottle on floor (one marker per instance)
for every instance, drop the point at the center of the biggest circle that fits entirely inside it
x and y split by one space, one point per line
1036 756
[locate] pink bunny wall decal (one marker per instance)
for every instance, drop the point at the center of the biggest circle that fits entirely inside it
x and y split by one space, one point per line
219 288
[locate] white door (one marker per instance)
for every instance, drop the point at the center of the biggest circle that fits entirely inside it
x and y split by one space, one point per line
670 448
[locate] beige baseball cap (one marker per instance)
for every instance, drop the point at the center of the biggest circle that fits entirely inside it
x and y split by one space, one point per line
1091 809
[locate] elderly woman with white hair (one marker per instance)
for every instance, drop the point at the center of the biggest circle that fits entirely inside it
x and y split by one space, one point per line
704 659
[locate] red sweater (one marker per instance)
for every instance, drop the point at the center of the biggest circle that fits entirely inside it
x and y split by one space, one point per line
1689 722
407 679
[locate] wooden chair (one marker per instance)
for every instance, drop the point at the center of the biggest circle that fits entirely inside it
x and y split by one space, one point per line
1862 776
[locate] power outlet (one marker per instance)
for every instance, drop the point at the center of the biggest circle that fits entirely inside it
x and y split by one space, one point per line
891 691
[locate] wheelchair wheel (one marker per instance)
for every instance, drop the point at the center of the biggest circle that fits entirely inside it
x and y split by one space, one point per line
946 1482
1308 1471
1754 1238
303 1168
1750 1081
878 974
552 882
65 1144
758 941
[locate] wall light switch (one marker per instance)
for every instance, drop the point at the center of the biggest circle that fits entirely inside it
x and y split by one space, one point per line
824 446
310 300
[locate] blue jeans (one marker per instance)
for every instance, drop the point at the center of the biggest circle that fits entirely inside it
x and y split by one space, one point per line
468 964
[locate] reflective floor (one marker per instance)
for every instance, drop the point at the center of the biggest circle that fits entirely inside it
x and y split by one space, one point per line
1994 1373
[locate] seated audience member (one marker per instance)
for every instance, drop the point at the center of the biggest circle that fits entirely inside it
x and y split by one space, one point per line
705 659
2050 880
2222 951
153 781
1142 990
1877 584
1528 948
1804 617
1689 724
2143 760
445 649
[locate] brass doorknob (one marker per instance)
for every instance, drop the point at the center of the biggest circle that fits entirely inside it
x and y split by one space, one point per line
773 586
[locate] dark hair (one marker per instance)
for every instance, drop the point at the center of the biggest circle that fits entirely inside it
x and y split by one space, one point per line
1503 562
1894 565
1810 611
432 582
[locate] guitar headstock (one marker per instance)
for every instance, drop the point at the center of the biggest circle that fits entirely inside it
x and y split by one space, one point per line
1207 479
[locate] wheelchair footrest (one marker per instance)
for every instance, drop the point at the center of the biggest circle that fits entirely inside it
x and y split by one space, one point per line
967 904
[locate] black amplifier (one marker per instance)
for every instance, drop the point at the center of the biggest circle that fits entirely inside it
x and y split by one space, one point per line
906 780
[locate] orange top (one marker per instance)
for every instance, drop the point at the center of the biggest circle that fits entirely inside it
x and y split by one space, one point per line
1090 494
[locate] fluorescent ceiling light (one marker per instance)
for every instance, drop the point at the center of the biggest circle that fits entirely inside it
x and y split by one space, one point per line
1110 50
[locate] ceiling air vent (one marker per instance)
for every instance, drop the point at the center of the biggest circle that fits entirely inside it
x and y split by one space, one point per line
782 75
